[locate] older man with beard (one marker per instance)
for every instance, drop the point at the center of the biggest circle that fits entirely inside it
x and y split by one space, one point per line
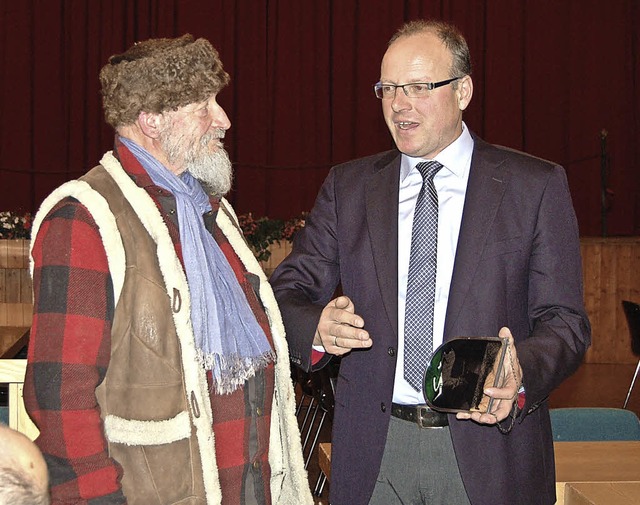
158 371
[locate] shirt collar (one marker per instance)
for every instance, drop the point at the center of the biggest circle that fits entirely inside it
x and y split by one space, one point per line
456 157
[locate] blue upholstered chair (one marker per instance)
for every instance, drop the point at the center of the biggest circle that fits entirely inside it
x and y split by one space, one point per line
588 424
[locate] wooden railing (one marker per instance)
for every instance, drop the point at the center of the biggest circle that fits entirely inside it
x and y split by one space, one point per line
279 251
15 283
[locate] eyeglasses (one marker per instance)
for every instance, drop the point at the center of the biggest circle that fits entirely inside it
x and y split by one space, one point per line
412 89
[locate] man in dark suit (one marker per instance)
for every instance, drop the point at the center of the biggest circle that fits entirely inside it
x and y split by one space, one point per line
508 264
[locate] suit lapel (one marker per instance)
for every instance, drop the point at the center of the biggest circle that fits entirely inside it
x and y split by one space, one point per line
487 183
381 200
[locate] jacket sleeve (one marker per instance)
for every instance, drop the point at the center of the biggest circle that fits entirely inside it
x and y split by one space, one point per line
307 278
68 356
560 332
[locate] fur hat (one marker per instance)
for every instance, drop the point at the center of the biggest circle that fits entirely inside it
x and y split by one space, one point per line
159 75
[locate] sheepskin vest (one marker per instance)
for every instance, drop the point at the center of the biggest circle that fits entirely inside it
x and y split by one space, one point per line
154 400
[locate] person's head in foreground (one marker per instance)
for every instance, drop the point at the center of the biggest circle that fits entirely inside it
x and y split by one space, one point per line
23 472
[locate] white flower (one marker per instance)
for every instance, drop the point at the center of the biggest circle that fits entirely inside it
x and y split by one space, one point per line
14 225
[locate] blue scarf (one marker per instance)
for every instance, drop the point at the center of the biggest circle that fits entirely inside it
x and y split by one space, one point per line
228 338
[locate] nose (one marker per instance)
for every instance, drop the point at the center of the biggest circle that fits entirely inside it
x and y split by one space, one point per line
400 101
220 118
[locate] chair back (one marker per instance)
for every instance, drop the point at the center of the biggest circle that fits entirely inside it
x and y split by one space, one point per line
592 424
316 391
632 313
12 372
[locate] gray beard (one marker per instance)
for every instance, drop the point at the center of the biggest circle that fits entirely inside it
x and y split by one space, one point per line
212 169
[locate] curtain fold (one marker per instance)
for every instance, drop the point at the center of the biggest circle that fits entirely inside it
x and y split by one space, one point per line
549 78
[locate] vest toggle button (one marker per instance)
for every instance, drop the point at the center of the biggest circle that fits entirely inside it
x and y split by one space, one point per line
194 405
177 300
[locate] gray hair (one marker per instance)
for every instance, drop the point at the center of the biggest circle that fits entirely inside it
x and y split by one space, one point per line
16 487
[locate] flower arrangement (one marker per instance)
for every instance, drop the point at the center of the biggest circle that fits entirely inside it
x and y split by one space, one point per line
262 232
14 225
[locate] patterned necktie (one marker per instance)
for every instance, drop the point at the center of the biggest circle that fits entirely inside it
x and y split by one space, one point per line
421 283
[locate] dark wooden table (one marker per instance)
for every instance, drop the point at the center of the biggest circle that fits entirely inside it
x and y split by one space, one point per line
12 340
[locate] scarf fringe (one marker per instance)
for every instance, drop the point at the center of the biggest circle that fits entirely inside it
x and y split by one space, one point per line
231 372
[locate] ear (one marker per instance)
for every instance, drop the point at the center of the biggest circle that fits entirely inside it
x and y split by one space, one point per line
464 92
150 124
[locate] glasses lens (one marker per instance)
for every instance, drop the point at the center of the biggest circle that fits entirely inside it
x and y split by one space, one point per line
417 90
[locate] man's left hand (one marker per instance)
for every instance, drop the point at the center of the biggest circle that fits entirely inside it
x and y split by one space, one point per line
505 396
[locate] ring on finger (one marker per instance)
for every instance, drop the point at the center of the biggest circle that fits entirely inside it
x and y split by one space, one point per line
335 342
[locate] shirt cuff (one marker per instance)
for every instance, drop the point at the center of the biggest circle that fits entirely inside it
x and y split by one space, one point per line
317 353
521 397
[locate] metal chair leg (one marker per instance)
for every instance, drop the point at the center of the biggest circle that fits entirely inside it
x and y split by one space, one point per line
314 441
310 416
322 479
307 437
302 402
631 387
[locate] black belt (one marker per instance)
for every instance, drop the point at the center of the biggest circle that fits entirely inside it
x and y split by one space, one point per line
422 415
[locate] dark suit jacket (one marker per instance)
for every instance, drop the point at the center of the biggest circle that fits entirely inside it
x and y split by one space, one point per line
517 265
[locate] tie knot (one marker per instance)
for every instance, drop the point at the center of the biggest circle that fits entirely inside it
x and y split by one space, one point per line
428 169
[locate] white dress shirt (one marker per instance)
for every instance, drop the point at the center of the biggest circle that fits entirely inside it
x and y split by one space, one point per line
451 185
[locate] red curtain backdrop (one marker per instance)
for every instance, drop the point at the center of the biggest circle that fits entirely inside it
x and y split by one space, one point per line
550 77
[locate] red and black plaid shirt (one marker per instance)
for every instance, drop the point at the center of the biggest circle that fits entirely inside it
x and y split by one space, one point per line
69 352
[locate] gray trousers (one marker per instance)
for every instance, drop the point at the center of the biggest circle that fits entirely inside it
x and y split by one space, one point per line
418 468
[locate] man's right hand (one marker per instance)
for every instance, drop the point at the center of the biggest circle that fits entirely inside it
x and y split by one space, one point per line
340 329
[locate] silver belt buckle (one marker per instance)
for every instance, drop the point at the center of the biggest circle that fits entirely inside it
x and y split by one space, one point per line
423 422
422 414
